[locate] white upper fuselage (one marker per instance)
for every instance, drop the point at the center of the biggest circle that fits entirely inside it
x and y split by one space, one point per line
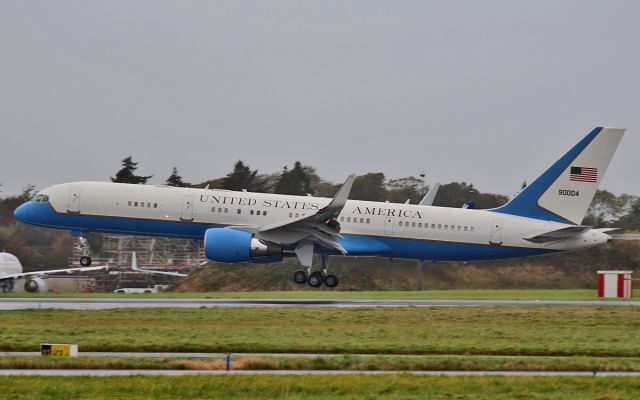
248 210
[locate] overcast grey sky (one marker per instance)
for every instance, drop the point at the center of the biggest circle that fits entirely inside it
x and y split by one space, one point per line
489 92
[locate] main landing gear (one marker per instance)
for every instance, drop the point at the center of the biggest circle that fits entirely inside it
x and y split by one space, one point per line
316 278
83 245
6 285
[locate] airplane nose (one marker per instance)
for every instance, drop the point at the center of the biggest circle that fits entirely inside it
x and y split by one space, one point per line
22 213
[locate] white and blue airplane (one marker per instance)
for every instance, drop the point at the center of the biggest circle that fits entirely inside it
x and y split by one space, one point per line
545 217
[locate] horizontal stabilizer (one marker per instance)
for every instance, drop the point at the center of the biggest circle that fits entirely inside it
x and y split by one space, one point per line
559 234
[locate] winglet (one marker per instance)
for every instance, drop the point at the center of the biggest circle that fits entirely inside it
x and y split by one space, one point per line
430 196
341 197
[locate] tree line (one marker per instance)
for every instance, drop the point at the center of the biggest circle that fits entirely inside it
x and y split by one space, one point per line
303 180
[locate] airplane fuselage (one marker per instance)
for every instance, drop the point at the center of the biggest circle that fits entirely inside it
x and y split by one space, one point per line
367 228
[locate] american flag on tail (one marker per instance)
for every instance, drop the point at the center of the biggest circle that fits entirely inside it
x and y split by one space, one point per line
583 174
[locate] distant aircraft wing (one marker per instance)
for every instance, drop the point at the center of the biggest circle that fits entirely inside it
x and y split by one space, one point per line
559 234
318 228
134 267
54 271
428 198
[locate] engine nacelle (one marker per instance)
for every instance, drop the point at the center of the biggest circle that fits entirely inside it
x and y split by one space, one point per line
231 246
35 285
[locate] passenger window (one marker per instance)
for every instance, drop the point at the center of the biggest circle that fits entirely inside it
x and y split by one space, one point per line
129 204
213 209
239 211
413 224
446 227
341 219
368 220
465 228
258 212
348 219
439 226
251 212
472 228
149 205
290 215
433 226
400 223
362 220
135 204
155 205
226 210
419 224
264 213
297 215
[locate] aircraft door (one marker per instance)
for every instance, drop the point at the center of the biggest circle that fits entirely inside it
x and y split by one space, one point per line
187 208
74 201
389 223
496 232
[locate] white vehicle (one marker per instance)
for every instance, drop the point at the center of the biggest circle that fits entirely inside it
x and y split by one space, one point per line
150 290
11 269
545 217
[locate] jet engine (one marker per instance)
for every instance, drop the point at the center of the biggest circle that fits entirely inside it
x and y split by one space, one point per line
231 245
35 285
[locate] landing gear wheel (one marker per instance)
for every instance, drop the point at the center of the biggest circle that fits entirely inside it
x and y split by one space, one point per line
300 277
331 281
316 279
85 261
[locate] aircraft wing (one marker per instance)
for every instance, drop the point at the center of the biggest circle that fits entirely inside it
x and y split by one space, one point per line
54 271
559 234
134 267
319 228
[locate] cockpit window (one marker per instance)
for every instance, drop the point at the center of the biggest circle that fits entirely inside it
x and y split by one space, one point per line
40 198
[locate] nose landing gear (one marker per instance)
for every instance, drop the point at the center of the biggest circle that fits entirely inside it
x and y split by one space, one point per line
83 245
6 285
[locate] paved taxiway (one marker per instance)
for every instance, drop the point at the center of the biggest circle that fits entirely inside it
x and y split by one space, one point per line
113 372
107 303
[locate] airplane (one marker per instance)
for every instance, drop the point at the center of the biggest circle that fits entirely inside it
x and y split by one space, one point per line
545 217
11 269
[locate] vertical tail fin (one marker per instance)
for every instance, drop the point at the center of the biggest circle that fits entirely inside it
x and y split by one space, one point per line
564 192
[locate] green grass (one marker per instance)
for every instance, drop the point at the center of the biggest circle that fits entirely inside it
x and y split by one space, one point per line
500 330
515 294
347 362
318 387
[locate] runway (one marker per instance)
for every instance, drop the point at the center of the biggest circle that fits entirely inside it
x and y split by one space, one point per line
109 303
174 372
